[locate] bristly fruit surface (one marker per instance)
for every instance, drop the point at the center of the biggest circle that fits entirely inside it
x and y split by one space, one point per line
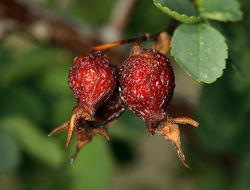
147 84
109 111
92 80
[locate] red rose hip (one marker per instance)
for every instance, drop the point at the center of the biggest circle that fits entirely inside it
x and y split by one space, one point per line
107 113
147 84
92 80
104 116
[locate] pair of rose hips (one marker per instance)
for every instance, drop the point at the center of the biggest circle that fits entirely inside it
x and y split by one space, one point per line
144 84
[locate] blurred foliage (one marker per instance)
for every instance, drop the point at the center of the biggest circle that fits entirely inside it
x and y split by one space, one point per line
9 151
94 167
146 18
35 98
224 113
83 9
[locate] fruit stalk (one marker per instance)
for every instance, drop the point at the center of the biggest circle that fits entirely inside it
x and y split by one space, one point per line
140 38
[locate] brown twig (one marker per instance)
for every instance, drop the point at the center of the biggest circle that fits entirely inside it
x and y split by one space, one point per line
140 38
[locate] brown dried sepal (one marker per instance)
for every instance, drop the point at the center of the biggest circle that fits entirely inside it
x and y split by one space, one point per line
84 134
79 113
169 128
163 43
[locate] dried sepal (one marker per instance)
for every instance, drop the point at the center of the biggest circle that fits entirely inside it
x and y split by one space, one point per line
163 43
84 134
169 128
60 128
79 113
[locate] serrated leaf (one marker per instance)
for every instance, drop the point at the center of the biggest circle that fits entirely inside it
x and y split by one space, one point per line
201 50
33 140
181 10
221 10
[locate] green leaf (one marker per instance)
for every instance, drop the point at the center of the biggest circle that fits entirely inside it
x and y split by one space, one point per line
9 152
33 140
201 50
221 10
93 167
181 10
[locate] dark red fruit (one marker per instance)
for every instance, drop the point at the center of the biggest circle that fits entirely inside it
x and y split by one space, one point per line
147 84
92 80
146 87
109 111
105 116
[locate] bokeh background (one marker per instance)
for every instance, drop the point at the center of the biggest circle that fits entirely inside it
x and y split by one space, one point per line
38 41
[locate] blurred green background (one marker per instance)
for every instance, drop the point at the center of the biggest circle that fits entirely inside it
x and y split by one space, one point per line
35 98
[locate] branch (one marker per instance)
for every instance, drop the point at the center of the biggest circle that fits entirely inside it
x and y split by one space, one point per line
45 26
140 38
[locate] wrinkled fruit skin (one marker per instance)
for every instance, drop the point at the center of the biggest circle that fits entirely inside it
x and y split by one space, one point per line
147 84
109 111
92 80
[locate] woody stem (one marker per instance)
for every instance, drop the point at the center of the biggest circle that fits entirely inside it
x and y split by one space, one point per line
140 38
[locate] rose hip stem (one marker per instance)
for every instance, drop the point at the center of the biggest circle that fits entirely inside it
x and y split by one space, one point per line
140 38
